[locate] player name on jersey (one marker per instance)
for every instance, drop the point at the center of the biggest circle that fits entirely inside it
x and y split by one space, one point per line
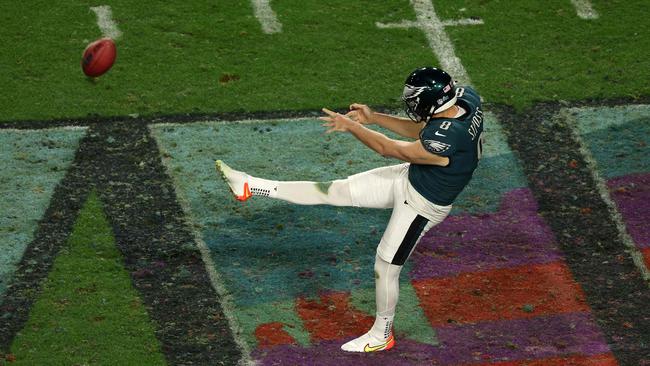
476 124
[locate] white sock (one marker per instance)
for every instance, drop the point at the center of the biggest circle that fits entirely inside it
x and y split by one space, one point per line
336 193
386 287
263 187
382 327
380 336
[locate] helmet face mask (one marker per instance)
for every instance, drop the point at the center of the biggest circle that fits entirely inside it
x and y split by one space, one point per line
428 91
414 97
410 107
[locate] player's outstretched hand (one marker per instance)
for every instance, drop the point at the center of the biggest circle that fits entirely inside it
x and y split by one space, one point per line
361 113
336 121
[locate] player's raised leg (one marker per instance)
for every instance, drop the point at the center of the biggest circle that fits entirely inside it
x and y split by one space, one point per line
373 189
245 186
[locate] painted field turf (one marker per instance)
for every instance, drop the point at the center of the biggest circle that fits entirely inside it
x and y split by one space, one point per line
301 276
32 162
88 312
618 139
214 57
271 253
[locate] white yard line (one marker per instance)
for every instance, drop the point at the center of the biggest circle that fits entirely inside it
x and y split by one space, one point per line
438 39
266 16
217 282
402 24
225 299
434 30
105 22
584 9
601 185
414 24
468 21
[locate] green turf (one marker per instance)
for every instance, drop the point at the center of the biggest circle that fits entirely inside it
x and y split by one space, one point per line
178 57
529 51
88 313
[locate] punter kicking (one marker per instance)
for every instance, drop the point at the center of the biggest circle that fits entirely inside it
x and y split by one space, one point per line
446 148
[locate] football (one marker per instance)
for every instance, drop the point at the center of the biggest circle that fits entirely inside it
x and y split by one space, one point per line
98 57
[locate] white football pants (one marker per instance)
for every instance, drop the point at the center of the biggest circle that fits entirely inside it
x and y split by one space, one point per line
385 187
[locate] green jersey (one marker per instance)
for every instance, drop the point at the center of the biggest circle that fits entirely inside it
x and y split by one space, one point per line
461 140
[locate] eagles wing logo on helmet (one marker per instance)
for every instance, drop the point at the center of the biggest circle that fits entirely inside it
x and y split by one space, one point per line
436 147
412 91
411 96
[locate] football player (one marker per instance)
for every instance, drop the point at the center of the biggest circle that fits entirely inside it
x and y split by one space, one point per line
445 126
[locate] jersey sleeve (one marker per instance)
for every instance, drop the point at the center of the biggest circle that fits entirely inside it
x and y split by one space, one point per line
439 141
470 95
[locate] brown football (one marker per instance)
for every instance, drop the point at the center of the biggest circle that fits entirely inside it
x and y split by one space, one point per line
98 57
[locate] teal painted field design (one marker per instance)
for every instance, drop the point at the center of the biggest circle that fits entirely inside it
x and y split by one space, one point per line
324 235
499 172
301 276
489 285
33 163
618 138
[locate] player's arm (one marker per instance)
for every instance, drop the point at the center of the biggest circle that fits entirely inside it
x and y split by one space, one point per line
401 126
412 152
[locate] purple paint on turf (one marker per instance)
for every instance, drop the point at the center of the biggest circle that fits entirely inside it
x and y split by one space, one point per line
512 236
536 338
632 194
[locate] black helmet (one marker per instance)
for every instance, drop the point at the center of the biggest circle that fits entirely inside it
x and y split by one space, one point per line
428 91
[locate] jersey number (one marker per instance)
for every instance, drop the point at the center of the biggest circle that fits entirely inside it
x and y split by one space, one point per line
479 146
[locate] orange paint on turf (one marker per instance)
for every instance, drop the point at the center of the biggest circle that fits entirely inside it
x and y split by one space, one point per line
511 293
332 317
646 255
600 360
272 334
